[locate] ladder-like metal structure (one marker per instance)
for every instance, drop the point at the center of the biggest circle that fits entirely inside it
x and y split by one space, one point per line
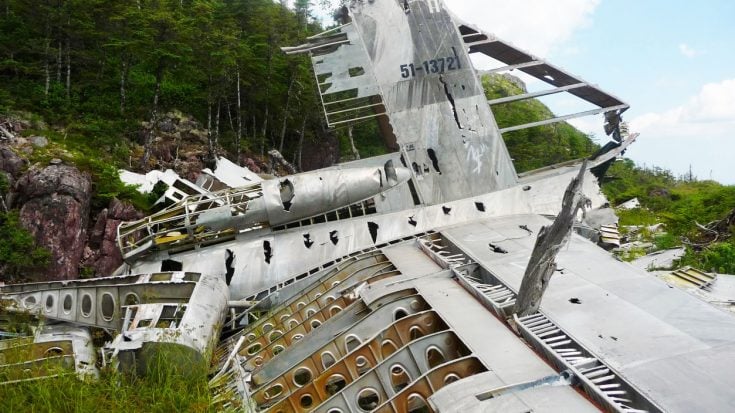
194 221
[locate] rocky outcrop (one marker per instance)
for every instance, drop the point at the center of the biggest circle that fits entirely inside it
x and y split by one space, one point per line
10 162
180 144
54 207
320 154
101 254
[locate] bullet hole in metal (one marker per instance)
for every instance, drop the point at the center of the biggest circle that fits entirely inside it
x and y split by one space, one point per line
307 241
334 237
446 210
575 300
412 221
498 249
267 251
434 160
526 187
480 206
171 265
373 229
390 173
287 193
229 268
525 228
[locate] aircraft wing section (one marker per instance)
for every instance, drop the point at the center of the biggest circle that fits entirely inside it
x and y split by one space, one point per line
514 58
676 350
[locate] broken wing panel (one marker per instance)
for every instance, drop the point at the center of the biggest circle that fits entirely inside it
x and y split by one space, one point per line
673 346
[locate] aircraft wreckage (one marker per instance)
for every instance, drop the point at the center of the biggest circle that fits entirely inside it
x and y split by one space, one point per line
396 283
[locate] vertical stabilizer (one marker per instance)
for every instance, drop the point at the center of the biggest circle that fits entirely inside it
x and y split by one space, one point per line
406 63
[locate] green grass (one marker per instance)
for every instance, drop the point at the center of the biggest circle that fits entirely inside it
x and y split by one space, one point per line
166 388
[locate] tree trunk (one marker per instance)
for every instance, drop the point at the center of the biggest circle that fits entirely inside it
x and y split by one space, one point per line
59 63
301 144
549 242
148 145
285 113
229 115
239 119
265 129
210 135
68 70
123 80
46 64
355 153
216 124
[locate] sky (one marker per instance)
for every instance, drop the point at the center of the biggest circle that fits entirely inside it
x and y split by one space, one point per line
673 61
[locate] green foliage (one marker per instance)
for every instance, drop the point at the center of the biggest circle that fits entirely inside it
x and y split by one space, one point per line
540 146
165 388
19 254
678 203
718 257
665 241
637 216
116 54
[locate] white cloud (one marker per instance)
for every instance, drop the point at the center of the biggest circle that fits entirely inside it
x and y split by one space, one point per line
700 132
688 51
539 26
710 112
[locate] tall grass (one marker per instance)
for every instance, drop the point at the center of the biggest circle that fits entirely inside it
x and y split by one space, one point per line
167 387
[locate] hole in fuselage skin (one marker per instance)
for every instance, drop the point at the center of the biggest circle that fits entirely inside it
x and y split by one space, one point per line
171 265
229 259
434 160
446 210
373 229
267 251
307 240
412 221
480 206
497 249
334 237
287 194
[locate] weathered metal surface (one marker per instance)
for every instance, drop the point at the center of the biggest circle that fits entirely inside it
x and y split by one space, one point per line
550 239
54 350
332 272
658 339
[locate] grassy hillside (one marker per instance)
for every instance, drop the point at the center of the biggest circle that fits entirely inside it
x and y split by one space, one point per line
539 146
679 203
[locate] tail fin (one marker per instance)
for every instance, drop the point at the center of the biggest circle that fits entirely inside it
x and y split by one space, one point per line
405 63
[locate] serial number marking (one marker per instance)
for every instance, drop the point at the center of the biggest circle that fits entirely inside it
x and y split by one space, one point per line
438 65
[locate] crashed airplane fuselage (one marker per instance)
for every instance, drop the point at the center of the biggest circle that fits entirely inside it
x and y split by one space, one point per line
389 283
